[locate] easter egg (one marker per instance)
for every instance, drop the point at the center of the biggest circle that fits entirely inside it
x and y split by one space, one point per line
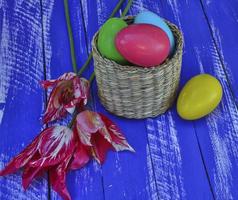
147 17
106 39
199 97
143 44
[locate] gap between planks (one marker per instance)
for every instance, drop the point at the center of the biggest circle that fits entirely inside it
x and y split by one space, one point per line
218 52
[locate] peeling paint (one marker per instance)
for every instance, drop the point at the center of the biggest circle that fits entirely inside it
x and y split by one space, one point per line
47 10
166 157
21 69
11 186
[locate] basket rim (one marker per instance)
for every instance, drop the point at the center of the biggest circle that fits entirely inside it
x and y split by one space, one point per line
178 50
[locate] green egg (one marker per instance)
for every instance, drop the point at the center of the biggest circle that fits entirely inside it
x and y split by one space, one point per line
106 39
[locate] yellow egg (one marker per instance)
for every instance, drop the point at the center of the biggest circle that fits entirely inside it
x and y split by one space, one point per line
199 97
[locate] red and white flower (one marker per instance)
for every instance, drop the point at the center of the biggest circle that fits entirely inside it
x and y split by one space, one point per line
52 150
58 149
68 92
99 134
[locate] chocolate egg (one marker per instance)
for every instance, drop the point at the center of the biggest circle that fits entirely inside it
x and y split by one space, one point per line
143 44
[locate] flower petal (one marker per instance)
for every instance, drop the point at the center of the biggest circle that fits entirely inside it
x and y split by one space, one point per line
118 141
80 157
29 174
48 83
21 159
101 134
69 91
87 123
51 83
55 110
70 109
100 147
81 87
81 93
56 144
54 114
54 147
67 76
58 177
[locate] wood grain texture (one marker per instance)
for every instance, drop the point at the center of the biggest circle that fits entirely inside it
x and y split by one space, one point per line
222 18
21 69
174 159
217 134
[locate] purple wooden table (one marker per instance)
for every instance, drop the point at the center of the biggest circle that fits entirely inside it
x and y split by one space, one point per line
174 159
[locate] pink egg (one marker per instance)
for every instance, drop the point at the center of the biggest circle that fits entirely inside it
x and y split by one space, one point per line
143 44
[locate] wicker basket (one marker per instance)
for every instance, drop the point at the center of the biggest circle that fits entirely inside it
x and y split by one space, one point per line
136 92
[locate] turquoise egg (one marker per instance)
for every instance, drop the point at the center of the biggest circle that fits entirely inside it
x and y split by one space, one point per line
147 17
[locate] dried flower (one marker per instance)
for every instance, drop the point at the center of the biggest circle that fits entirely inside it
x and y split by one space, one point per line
68 92
100 134
52 150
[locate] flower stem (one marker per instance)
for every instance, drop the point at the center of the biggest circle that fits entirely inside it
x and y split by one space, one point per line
112 15
70 125
125 11
127 8
91 55
116 8
91 77
71 39
85 65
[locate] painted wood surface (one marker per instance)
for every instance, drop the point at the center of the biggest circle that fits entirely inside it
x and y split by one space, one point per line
222 19
217 133
175 159
21 98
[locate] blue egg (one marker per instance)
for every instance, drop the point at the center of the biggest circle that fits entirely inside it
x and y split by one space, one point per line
147 17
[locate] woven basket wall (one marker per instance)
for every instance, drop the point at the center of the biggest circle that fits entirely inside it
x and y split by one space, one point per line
136 92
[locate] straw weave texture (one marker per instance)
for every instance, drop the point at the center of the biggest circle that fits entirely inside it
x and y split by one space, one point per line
136 92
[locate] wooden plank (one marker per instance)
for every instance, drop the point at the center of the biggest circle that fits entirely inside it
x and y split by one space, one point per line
222 18
87 182
167 161
21 61
224 31
217 134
